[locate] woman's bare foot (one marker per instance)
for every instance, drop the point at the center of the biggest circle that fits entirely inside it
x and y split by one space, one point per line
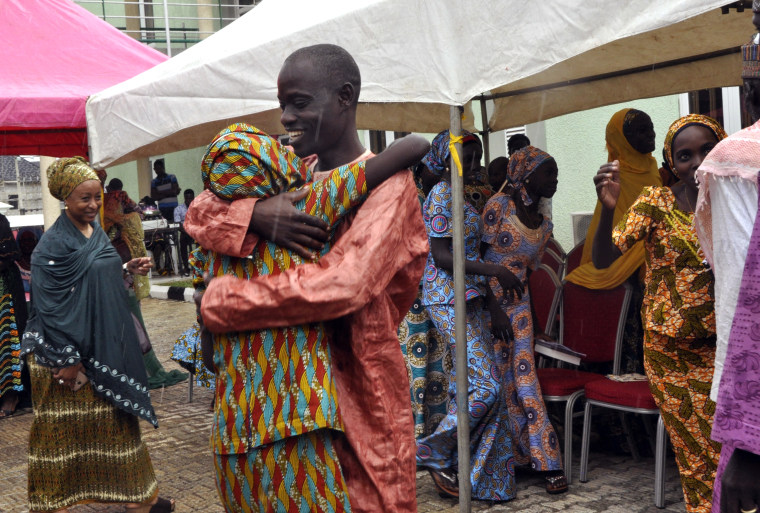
9 404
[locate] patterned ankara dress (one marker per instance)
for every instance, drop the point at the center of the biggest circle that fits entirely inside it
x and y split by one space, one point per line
679 343
187 353
12 312
428 364
491 460
519 248
276 405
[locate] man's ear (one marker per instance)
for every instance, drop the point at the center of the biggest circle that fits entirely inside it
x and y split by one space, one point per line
346 95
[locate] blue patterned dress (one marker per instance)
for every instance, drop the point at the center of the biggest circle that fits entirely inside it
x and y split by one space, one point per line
491 460
428 363
519 248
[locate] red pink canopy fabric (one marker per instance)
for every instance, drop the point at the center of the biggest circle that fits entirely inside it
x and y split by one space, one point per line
54 55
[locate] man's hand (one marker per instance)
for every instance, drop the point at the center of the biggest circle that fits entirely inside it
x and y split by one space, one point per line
740 487
277 220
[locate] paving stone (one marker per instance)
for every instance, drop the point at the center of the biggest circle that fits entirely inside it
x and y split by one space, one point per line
182 457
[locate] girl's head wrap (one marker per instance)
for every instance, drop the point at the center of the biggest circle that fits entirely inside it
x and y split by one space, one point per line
437 159
680 124
522 164
65 175
244 162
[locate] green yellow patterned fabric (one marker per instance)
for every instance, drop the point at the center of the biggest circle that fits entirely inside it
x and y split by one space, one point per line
64 175
82 448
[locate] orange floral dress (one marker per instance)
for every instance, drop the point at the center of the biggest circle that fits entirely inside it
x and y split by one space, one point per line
679 345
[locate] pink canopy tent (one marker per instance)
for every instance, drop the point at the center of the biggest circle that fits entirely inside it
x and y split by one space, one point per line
55 55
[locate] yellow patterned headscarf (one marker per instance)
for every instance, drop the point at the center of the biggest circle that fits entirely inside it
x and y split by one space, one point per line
681 123
65 175
244 162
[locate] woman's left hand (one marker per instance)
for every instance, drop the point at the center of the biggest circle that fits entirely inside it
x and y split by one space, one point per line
141 265
67 374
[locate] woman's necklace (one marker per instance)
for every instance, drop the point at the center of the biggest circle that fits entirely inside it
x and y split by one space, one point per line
531 219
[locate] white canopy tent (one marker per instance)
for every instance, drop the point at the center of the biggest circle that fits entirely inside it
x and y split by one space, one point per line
421 61
419 57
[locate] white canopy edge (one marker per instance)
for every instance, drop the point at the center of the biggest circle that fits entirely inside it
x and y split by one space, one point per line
416 58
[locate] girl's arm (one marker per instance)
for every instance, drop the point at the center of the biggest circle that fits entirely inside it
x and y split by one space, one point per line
440 249
401 154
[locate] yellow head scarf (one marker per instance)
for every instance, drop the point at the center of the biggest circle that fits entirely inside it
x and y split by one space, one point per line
637 171
64 175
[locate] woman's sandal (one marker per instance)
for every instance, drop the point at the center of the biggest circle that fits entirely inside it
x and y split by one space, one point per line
556 483
446 482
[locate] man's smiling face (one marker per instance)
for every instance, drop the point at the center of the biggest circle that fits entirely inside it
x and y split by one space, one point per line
310 107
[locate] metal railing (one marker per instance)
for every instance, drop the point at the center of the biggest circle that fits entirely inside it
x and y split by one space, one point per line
167 25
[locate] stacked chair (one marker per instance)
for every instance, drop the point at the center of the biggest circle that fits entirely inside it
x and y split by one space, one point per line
591 322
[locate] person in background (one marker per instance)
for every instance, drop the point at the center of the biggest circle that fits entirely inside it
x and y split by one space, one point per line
679 305
492 474
516 142
728 225
27 239
89 386
630 139
164 189
185 241
13 316
122 223
497 173
477 194
515 234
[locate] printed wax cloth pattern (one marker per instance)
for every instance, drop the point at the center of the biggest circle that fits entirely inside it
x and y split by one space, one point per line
275 383
244 162
437 283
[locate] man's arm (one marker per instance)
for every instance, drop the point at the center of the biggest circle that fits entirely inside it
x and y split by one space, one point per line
175 187
233 228
384 245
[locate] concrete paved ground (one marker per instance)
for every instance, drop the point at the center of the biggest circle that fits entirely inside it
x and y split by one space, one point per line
182 458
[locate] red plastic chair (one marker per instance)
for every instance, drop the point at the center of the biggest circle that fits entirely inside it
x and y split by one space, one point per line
546 294
573 259
632 397
591 322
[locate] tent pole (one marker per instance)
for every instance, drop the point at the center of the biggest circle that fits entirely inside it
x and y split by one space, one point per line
460 320
485 132
51 207
166 29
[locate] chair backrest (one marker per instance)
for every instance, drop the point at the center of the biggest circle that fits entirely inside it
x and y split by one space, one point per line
573 259
592 321
545 293
556 247
555 262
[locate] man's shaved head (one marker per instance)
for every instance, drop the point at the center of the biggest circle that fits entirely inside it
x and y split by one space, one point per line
334 62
